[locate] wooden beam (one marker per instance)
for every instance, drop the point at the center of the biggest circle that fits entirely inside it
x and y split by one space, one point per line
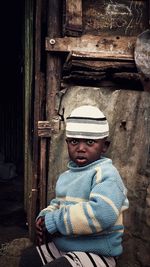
44 132
115 47
53 71
31 159
73 18
43 173
97 65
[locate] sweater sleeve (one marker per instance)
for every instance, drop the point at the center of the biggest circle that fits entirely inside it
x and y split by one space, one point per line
106 201
54 205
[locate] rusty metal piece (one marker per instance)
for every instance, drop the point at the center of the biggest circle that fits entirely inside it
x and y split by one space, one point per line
44 129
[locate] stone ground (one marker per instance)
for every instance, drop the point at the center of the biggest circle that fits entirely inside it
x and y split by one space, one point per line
13 230
13 239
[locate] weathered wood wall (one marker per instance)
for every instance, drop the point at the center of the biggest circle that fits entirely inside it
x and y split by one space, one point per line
126 18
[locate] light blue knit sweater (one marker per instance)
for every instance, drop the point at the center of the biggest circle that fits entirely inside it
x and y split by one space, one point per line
87 210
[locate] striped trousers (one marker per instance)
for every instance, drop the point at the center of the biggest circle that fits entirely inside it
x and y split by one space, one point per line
51 256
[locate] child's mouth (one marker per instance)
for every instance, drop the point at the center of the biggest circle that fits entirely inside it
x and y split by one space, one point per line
81 160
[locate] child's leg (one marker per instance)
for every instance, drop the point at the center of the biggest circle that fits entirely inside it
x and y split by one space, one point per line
40 255
45 255
79 259
86 259
49 256
30 258
60 262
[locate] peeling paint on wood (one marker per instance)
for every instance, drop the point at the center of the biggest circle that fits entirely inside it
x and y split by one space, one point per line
73 18
101 47
115 17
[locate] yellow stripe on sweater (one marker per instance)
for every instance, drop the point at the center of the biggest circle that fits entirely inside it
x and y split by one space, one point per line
78 220
66 224
120 222
98 175
51 207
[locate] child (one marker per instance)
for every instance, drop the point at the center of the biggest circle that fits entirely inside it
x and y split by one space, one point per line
84 221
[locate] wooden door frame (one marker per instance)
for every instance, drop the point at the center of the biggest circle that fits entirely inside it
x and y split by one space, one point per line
28 104
39 105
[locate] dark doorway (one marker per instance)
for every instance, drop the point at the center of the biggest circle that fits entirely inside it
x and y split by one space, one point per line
11 117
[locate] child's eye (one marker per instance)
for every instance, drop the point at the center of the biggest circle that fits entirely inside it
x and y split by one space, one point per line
73 141
90 142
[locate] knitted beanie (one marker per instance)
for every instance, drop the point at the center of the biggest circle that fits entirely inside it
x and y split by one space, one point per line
87 122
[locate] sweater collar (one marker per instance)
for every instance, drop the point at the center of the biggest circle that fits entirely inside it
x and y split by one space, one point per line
74 167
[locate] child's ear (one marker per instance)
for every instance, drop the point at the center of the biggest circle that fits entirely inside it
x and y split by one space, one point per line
106 146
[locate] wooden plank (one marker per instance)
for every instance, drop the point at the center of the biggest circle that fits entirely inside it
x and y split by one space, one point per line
53 71
30 192
73 18
43 173
126 81
115 17
44 132
115 47
97 65
39 99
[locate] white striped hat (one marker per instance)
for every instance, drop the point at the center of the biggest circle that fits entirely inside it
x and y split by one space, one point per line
87 122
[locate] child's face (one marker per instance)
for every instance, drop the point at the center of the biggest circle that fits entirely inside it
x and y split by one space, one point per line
85 151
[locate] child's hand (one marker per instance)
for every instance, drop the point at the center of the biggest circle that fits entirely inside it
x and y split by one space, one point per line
42 234
40 229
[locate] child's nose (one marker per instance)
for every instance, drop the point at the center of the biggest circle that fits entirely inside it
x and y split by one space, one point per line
81 146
